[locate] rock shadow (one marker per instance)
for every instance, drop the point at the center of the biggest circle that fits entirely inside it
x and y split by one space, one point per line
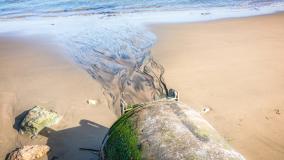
19 119
65 144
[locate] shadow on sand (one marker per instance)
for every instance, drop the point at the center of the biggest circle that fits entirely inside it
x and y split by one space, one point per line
65 144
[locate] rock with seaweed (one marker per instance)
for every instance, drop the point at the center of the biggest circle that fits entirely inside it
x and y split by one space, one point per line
165 129
37 119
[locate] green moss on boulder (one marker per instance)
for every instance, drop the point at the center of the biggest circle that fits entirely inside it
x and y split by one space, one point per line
36 119
168 130
123 140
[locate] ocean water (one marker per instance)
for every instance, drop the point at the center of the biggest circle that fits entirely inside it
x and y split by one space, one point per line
28 8
110 38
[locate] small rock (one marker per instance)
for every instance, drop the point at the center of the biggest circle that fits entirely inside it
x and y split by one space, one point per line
31 152
37 119
206 109
173 94
91 101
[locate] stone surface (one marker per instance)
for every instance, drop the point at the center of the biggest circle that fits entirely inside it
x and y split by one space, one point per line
32 152
36 119
167 130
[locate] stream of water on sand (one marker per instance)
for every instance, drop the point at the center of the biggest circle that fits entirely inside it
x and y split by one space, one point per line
110 38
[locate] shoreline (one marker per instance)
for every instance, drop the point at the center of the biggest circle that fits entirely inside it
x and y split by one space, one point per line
225 65
152 25
17 97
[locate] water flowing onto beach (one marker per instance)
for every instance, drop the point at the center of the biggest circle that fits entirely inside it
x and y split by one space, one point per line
110 39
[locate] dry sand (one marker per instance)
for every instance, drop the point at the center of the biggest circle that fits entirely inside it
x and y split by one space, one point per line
235 67
31 74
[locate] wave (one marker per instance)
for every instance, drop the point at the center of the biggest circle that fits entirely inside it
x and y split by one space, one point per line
35 8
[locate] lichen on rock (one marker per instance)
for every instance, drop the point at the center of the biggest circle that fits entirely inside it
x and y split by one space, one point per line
37 119
165 129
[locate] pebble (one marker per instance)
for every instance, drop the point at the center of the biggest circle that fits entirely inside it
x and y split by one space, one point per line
206 109
91 101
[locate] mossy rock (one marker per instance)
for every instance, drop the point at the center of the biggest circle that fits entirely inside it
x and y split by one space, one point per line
167 130
123 139
37 119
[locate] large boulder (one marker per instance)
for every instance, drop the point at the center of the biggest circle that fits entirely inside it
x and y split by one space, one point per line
32 152
36 119
167 130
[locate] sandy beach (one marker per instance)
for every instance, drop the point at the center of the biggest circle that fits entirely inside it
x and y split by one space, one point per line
33 74
234 67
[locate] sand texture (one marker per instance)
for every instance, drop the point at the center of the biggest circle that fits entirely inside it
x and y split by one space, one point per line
33 74
235 68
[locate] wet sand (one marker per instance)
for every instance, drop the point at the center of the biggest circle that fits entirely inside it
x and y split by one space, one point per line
33 74
235 67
